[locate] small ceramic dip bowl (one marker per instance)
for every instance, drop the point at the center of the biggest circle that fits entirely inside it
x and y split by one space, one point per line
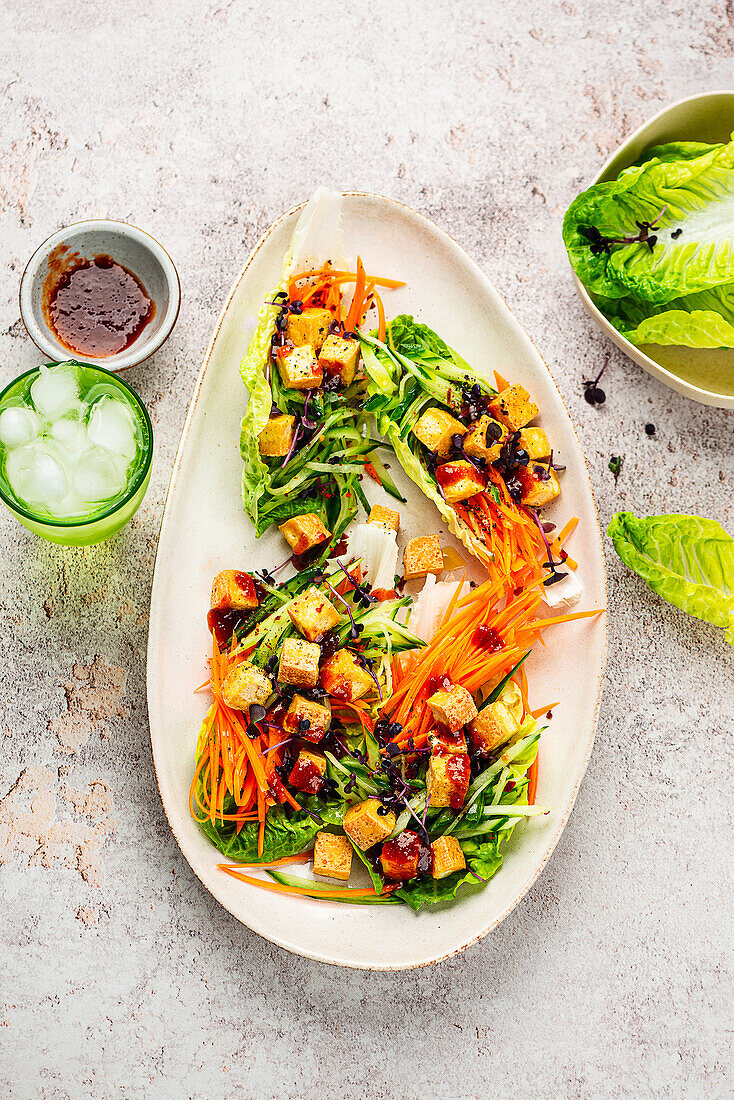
147 267
703 374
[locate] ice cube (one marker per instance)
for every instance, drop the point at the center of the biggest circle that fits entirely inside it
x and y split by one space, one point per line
56 389
98 477
18 425
112 426
36 476
71 435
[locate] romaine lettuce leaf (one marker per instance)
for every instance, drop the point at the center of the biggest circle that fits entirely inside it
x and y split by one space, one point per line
687 560
702 320
287 832
316 239
692 194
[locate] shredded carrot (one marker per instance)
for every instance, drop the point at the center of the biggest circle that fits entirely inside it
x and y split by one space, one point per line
569 618
354 316
277 887
348 276
543 710
381 322
502 383
302 857
532 781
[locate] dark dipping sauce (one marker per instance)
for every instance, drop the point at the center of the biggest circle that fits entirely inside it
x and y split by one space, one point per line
97 307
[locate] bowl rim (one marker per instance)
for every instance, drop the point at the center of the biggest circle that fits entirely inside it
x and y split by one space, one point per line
712 398
138 478
129 357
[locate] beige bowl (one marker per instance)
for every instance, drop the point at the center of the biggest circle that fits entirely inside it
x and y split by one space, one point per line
135 250
704 374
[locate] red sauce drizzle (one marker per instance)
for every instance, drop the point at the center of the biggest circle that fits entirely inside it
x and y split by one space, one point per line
438 683
246 584
306 777
223 623
488 638
451 472
399 857
458 769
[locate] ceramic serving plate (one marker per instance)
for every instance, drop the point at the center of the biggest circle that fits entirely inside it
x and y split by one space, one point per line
204 530
703 374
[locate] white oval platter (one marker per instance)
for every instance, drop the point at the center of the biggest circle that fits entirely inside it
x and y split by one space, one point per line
204 529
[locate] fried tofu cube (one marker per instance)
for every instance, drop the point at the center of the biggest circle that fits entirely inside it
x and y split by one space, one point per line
484 439
435 429
276 438
304 532
233 590
459 480
445 741
340 355
400 856
385 517
453 708
308 719
299 369
367 823
299 663
422 556
307 774
244 685
539 485
311 327
495 724
313 615
514 407
535 442
447 857
447 779
332 856
344 677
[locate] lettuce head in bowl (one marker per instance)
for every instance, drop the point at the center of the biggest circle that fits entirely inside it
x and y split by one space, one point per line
655 247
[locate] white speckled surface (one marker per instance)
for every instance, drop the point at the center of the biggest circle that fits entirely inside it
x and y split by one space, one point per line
201 122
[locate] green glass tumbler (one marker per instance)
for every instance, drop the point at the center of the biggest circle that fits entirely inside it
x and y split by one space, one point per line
108 517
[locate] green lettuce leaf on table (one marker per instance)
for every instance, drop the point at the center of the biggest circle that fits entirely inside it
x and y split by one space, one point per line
687 560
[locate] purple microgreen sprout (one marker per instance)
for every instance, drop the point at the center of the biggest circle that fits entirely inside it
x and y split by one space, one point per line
274 747
294 441
457 442
367 664
363 592
601 244
593 393
356 628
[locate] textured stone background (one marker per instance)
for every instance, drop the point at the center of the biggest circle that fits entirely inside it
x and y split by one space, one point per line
202 122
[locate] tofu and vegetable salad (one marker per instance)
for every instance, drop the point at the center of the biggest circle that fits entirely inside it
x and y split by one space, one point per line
371 710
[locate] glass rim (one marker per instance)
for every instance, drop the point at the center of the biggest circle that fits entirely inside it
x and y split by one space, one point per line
137 480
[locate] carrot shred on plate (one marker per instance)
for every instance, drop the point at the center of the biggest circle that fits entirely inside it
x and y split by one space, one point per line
301 857
302 891
544 710
532 781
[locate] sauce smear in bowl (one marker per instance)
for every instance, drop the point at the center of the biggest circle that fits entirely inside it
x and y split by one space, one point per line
96 307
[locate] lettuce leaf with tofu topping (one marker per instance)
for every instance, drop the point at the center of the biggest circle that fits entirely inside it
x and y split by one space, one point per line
320 473
687 560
